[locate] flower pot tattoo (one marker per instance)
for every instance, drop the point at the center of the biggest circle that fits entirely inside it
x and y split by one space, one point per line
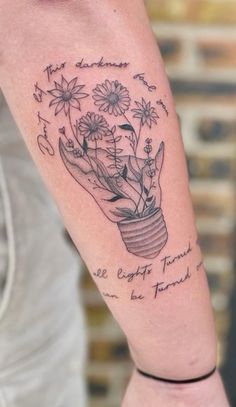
106 142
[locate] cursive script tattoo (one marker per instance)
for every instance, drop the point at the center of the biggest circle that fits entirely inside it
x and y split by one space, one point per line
110 295
41 119
52 69
162 104
44 144
134 296
42 139
169 260
142 271
199 265
38 93
141 77
100 64
162 286
101 273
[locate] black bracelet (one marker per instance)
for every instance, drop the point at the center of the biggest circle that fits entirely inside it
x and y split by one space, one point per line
162 379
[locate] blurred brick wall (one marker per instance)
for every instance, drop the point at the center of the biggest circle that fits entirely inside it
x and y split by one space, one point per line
198 43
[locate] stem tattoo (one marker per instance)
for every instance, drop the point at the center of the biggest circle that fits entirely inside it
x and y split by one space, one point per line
123 180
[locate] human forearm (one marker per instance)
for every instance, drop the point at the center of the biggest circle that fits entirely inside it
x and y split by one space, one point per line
164 307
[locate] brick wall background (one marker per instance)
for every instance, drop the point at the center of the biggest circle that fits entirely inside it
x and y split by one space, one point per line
198 43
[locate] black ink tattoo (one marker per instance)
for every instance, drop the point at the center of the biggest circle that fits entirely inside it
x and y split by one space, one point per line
44 144
133 296
126 186
162 104
199 265
159 287
41 119
142 271
66 95
169 260
100 64
38 93
50 69
141 77
101 273
110 295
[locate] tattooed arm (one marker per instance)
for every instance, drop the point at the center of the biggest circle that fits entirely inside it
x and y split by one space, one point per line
88 90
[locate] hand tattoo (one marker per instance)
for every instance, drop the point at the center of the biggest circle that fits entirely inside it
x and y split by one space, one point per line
108 152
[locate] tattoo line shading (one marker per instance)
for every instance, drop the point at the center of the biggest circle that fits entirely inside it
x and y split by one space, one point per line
125 186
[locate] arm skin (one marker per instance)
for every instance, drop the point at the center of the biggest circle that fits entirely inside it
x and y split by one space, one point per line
169 328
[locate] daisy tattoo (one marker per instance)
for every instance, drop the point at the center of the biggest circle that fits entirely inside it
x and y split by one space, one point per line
93 126
108 142
112 97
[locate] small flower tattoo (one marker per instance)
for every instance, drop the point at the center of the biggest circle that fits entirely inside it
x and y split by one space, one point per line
148 149
77 153
93 126
151 173
112 97
70 143
145 113
66 95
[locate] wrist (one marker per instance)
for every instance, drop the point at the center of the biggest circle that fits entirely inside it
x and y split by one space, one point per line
176 363
144 392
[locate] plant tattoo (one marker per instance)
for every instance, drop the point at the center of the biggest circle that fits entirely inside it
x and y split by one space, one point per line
66 95
116 164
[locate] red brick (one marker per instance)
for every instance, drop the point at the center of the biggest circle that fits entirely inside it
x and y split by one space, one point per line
215 130
104 350
201 90
208 167
217 244
97 315
171 49
98 386
213 204
200 11
218 54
